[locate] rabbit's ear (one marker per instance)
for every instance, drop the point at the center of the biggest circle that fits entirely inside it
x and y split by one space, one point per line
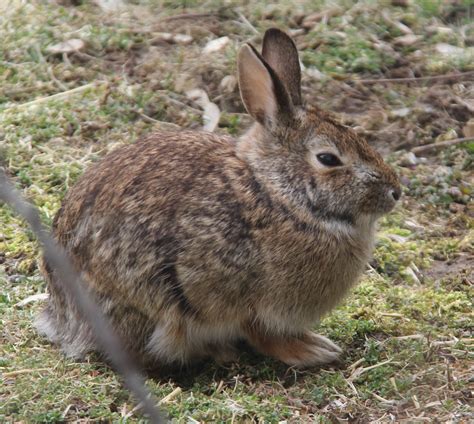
264 95
280 52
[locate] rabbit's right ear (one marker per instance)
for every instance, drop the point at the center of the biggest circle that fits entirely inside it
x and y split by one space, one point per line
280 52
264 95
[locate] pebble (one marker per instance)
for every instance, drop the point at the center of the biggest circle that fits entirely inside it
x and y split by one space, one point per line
455 193
216 45
408 159
405 181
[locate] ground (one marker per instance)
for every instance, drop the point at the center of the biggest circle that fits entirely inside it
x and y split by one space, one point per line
406 329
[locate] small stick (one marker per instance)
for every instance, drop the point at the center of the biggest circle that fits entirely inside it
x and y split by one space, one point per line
166 399
439 145
352 387
24 371
32 298
187 16
467 341
381 399
359 371
356 363
170 396
375 366
56 96
410 337
55 80
460 75
66 411
247 23
161 123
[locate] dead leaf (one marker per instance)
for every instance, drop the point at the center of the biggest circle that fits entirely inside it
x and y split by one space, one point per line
435 29
110 5
401 113
211 113
216 45
449 50
228 84
451 134
182 39
69 46
468 129
406 40
312 19
397 24
211 117
172 38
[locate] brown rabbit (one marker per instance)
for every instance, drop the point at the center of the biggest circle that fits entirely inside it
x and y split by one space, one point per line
191 241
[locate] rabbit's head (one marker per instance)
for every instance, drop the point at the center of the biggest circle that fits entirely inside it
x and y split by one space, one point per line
300 150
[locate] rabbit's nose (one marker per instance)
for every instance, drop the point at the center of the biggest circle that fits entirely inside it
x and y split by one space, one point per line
395 193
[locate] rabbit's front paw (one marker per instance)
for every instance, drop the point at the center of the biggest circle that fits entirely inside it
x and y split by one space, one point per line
306 350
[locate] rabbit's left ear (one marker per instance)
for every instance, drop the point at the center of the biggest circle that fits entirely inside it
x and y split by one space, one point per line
265 97
280 52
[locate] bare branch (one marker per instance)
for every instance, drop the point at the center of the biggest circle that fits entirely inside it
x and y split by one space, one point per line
419 150
455 77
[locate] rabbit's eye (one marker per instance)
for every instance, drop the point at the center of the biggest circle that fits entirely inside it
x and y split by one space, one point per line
328 159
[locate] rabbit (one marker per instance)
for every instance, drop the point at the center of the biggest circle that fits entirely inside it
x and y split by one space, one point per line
192 241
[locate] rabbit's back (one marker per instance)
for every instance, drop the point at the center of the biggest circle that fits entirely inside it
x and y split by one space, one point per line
149 208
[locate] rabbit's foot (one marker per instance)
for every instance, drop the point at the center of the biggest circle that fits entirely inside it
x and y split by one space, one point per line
305 350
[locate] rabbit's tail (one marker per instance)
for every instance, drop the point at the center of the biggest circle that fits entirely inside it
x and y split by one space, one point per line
60 322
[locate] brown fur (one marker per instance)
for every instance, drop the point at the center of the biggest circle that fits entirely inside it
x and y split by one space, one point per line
191 241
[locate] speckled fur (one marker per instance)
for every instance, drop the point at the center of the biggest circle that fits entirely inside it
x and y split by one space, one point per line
191 241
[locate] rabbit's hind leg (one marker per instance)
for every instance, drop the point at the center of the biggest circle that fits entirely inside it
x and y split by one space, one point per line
169 344
303 350
63 327
181 341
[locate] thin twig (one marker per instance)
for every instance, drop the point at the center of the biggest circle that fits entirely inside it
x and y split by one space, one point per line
56 96
75 288
439 145
187 16
389 314
458 76
24 371
55 80
166 399
171 395
179 103
247 23
163 124
359 371
381 399
410 337
356 363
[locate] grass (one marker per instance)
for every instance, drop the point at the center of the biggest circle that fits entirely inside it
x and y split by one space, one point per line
406 329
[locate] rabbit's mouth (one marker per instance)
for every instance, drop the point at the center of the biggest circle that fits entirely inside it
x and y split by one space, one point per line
391 197
385 202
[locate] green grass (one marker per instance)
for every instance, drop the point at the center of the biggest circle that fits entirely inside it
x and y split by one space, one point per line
406 329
